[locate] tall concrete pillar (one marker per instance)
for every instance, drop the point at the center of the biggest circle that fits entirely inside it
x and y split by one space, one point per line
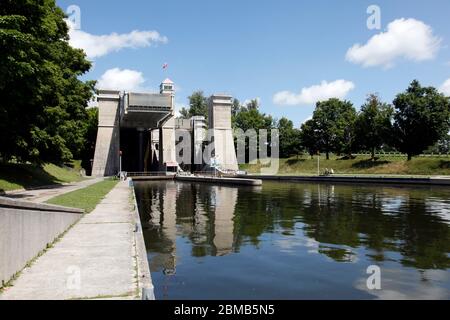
167 150
106 159
154 146
198 125
220 128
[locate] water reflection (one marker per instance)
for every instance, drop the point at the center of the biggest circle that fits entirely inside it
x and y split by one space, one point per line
337 231
202 214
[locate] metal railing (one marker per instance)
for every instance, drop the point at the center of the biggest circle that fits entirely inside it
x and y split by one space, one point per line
216 174
149 174
399 154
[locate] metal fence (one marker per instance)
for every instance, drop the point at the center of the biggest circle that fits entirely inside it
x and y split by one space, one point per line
148 174
399 154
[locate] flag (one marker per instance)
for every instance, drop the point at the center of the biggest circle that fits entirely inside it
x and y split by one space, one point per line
165 66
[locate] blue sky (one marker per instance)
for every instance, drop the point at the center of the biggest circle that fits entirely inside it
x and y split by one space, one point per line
269 50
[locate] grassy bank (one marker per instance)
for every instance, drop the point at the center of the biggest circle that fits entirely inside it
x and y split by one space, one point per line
87 198
26 176
427 166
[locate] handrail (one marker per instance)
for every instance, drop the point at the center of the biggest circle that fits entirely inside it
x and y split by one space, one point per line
147 174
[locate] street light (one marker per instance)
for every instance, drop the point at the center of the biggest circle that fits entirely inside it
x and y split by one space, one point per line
318 163
120 162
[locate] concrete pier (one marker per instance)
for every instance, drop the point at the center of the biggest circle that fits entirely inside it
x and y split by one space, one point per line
101 257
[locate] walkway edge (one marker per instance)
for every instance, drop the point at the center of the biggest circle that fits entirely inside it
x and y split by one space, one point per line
434 181
145 284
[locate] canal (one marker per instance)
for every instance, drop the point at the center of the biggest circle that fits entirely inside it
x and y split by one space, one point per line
295 240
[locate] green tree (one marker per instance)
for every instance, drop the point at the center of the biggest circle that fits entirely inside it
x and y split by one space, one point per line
334 121
374 124
236 107
43 101
309 137
443 145
90 138
253 104
422 117
198 106
252 119
290 142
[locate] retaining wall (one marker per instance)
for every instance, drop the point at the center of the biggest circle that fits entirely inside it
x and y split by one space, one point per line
26 229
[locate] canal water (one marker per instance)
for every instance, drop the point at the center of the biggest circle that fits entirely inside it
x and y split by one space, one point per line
296 241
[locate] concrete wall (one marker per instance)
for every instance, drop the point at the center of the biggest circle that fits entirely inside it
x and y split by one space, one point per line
26 229
106 159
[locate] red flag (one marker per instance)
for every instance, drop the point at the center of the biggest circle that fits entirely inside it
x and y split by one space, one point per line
165 66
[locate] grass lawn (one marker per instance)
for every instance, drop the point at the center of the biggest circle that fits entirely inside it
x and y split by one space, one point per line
426 166
25 176
87 198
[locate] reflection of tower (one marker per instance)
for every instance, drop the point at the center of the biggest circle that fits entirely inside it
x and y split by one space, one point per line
201 221
164 220
169 224
225 201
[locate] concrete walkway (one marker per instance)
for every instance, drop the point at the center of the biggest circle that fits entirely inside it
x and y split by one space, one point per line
44 194
96 259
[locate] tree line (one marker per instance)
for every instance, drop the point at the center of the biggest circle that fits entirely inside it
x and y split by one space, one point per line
417 119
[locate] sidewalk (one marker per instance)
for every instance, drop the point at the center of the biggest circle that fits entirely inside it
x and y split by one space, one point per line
44 194
96 259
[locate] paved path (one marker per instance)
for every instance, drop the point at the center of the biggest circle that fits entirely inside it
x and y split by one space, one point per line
96 259
44 194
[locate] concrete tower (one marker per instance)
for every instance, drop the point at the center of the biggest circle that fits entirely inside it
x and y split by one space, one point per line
106 159
220 126
167 87
167 150
121 112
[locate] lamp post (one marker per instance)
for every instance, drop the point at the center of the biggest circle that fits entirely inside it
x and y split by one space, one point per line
120 162
318 163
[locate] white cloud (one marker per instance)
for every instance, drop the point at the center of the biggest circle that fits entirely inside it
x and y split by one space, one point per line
409 39
118 79
445 88
99 45
310 95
